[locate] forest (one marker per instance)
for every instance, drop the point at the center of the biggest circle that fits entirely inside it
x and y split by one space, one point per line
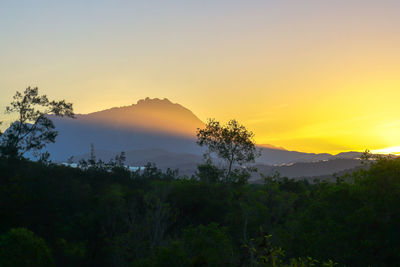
95 217
103 214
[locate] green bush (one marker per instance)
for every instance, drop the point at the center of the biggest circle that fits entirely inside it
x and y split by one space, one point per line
208 245
21 247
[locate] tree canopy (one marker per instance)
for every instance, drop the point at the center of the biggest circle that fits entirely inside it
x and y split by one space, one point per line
21 247
231 142
33 128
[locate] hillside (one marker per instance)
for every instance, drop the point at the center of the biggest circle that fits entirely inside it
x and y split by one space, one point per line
147 115
158 131
149 124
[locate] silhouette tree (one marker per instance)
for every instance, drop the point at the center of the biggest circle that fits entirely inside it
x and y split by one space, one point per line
120 159
92 157
70 160
207 172
231 142
32 129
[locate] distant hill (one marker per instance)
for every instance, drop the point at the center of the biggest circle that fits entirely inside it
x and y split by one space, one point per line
310 169
278 156
147 115
162 158
154 130
148 124
187 164
271 146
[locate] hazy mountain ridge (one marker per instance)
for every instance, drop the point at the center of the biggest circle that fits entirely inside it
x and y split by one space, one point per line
158 131
271 146
278 156
149 124
310 169
162 158
159 115
187 163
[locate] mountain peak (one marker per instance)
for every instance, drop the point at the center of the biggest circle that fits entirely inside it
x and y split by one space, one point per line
149 100
149 114
269 146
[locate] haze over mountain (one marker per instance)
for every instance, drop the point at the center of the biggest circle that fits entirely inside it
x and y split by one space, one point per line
271 146
154 130
149 124
149 115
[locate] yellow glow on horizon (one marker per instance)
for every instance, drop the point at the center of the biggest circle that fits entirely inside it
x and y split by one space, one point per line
312 76
394 150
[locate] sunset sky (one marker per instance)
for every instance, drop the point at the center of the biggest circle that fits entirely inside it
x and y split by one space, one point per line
313 76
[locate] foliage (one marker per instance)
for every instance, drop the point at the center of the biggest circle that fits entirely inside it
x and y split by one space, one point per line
231 142
98 217
115 165
262 252
208 245
33 128
21 247
209 173
120 159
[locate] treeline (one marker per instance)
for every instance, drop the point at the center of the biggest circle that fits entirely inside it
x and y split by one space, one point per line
101 214
99 217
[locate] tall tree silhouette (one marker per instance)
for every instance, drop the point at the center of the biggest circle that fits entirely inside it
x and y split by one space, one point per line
32 129
231 142
92 157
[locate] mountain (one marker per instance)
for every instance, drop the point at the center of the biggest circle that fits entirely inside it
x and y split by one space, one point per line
148 124
271 146
162 132
322 168
185 162
162 158
148 115
278 156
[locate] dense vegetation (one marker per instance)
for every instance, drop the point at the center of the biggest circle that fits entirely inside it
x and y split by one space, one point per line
101 214
100 217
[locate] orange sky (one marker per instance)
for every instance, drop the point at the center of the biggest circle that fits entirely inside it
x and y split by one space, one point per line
314 76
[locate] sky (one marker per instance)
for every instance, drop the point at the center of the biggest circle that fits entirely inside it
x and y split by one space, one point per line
311 75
